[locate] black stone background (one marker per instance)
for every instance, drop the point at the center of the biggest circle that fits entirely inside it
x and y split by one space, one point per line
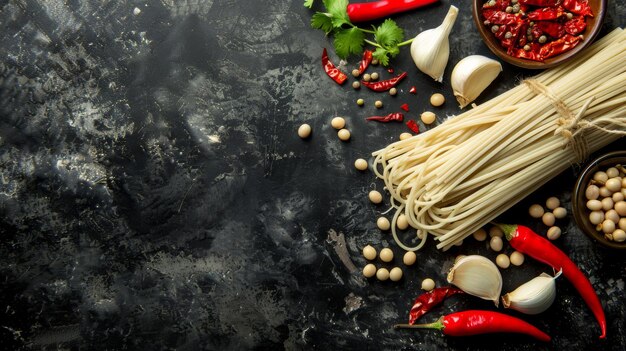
154 193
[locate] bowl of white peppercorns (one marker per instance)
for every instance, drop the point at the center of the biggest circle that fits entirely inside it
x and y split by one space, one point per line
599 200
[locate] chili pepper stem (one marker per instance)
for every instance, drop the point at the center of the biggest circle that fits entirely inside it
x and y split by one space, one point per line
435 325
508 229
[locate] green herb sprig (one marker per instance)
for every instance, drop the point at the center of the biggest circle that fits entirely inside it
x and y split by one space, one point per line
348 39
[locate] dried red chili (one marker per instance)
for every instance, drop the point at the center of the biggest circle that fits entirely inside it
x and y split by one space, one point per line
524 240
413 90
553 29
405 107
475 322
497 5
500 17
546 14
390 70
553 48
396 117
413 126
425 302
576 25
579 7
365 61
333 72
384 85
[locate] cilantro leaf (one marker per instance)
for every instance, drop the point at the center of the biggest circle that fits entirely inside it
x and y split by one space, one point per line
388 33
381 55
308 3
349 41
322 21
338 9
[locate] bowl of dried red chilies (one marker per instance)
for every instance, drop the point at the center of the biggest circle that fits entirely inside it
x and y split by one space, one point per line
538 34
599 200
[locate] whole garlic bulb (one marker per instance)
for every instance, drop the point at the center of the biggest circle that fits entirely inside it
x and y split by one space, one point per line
430 49
478 276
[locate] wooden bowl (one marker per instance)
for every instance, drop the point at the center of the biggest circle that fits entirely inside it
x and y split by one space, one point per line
579 201
593 28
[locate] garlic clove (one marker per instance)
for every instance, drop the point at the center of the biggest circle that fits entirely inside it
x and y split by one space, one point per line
430 49
534 296
478 276
471 76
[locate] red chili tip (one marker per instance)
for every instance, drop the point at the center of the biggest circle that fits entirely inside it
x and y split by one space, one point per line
405 107
390 70
413 126
413 90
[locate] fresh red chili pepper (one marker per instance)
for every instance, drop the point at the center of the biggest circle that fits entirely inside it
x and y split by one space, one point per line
475 322
425 302
553 29
405 107
413 126
333 72
385 85
565 43
365 61
524 240
579 7
396 116
413 90
576 25
368 11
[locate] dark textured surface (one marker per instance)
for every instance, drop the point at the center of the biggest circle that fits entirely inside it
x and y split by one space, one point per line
154 193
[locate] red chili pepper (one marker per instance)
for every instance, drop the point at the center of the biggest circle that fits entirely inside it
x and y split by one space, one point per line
500 17
576 25
413 90
384 85
425 302
524 240
332 71
553 29
413 126
396 116
542 3
365 61
475 322
405 107
579 7
565 43
497 5
368 11
546 14
532 54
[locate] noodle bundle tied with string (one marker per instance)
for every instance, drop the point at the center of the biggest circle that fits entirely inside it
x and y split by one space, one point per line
454 179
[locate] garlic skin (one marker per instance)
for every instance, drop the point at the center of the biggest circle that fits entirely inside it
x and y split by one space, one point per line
534 296
478 276
430 49
471 76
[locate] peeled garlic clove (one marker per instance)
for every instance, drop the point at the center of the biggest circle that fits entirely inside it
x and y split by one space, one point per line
430 49
471 76
534 296
478 276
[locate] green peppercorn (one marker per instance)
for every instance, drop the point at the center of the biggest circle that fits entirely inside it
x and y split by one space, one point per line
526 47
360 102
495 28
356 84
508 35
508 9
542 39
